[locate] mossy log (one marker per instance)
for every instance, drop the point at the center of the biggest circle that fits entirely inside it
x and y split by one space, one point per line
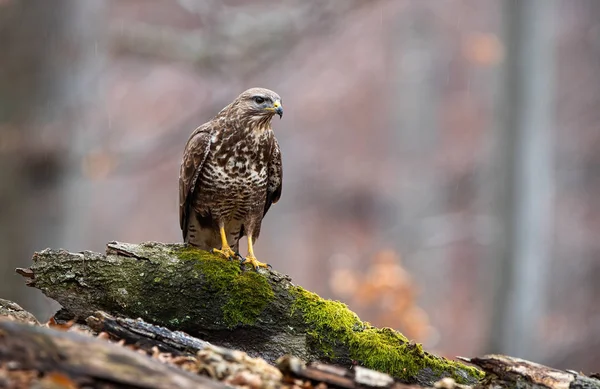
260 312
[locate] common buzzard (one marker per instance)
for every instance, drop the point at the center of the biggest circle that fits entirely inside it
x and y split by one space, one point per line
230 175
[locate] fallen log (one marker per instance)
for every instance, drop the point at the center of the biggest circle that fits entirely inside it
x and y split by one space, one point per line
144 335
43 357
260 312
510 372
79 360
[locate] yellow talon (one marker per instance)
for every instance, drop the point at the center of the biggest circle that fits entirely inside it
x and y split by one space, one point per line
251 259
225 251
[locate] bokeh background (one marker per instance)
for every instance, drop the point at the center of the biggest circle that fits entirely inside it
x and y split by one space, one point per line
441 157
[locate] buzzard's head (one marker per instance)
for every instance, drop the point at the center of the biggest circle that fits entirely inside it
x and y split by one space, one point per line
259 104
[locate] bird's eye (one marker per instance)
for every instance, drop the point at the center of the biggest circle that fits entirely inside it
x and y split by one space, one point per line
259 100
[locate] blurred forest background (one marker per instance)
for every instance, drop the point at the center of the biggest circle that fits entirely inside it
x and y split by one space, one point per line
441 158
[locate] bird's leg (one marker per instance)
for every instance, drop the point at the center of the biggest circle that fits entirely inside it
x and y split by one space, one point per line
251 259
225 251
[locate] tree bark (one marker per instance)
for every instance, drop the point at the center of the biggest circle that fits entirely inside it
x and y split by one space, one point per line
259 312
88 361
509 372
144 335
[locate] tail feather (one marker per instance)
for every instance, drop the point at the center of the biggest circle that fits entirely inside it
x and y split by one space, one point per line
206 236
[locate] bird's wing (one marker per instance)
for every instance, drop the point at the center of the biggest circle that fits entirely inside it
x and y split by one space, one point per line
195 153
275 177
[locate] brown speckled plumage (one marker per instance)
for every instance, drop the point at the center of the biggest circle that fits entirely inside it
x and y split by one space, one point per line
231 172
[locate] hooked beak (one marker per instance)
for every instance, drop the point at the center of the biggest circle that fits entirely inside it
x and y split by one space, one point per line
278 108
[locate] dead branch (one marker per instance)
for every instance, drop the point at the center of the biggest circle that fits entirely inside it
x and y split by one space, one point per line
89 361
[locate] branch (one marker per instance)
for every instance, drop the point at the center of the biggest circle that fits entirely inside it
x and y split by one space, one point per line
231 35
13 311
144 335
83 359
262 312
509 372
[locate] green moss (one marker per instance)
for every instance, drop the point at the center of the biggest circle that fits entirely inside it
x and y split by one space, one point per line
247 293
190 253
248 297
324 314
332 324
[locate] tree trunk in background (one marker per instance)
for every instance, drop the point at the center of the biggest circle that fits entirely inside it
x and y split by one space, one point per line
48 81
414 140
521 176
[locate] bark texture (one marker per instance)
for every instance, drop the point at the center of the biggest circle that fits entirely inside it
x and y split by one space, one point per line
67 357
509 372
36 356
262 313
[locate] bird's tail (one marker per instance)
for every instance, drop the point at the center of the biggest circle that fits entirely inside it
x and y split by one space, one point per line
205 237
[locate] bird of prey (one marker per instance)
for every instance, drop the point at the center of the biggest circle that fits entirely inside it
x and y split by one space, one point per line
230 175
